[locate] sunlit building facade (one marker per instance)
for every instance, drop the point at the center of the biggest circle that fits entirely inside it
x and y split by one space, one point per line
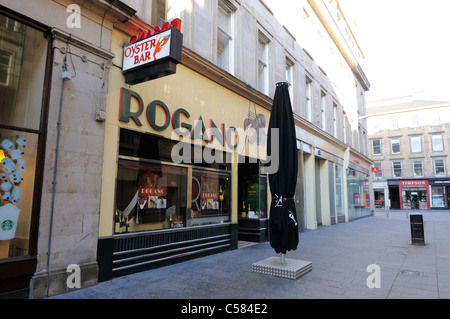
409 145
101 186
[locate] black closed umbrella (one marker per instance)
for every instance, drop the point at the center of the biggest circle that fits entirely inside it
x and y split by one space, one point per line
283 227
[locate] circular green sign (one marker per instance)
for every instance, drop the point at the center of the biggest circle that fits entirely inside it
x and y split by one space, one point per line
7 225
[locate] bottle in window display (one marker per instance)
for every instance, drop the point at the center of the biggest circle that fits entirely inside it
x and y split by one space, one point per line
117 223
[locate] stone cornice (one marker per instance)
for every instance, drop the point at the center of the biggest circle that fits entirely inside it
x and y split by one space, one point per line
62 36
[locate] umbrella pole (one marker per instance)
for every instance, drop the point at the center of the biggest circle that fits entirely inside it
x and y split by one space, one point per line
282 259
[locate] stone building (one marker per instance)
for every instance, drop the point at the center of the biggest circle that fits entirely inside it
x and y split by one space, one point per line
101 189
409 145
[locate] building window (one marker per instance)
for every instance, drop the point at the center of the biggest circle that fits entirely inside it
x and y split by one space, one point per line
436 117
417 168
395 146
394 122
153 194
437 143
6 59
396 169
439 167
23 60
335 110
344 125
308 97
362 103
323 105
364 142
416 144
159 12
378 174
263 64
290 79
224 38
375 124
414 119
439 197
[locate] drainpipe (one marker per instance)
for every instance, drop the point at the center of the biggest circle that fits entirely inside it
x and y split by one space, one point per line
65 76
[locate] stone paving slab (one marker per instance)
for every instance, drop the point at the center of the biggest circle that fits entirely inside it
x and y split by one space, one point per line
340 255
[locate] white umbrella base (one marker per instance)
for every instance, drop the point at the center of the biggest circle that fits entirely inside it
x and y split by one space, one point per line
290 269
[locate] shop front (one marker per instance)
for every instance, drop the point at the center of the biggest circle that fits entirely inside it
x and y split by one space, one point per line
381 194
24 64
440 193
181 172
358 192
414 194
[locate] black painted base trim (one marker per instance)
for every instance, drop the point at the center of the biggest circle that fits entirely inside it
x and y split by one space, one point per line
253 230
130 253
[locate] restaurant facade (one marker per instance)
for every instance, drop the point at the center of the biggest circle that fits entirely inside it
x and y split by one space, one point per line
181 171
147 152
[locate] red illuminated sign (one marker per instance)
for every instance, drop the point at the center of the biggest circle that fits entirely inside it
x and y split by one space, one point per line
418 183
153 54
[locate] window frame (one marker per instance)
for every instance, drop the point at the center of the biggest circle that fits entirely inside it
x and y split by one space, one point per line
414 118
308 98
373 146
393 169
323 108
435 167
380 167
412 144
335 119
399 145
229 35
436 117
41 132
264 75
441 142
290 78
413 162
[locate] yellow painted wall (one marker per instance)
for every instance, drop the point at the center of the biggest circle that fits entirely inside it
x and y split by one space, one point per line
186 89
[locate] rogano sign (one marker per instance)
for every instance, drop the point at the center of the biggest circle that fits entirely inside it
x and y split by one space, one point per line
181 127
177 120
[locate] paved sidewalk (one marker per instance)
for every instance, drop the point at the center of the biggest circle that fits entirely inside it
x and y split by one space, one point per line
340 255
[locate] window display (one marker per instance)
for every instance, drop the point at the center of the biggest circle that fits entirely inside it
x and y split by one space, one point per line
210 198
150 197
23 60
252 197
153 195
358 194
339 190
438 197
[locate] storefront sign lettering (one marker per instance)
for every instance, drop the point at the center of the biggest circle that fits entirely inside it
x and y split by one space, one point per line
153 54
152 49
178 119
210 195
413 183
149 46
149 191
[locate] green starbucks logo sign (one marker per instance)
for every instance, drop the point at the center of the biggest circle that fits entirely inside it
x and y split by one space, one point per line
7 225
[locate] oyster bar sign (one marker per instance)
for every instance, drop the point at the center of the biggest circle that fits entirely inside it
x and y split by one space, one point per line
153 54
